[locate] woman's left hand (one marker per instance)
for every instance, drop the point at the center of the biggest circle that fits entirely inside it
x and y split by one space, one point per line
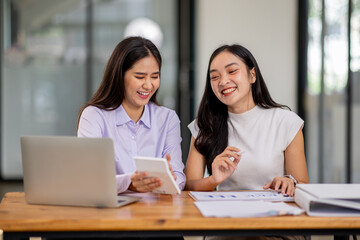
168 158
284 184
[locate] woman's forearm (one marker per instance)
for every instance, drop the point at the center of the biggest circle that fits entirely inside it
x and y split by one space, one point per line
204 184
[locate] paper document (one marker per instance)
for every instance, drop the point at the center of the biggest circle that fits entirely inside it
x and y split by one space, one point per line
238 209
266 195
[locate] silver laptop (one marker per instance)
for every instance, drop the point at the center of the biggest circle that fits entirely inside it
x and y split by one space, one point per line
70 171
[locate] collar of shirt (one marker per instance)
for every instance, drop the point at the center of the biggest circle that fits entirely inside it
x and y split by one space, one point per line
122 117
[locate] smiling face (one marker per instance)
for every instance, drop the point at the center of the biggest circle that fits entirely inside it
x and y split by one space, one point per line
141 82
231 82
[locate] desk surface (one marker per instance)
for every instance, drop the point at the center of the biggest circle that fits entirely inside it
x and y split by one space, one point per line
154 212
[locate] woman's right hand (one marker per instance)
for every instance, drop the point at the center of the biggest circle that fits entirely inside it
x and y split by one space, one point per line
225 164
141 183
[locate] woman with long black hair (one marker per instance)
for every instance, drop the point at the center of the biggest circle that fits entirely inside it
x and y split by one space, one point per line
241 136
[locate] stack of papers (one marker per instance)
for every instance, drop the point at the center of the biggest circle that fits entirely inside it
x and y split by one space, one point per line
238 209
244 204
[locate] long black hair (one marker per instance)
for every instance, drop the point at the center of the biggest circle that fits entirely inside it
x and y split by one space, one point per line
212 115
111 91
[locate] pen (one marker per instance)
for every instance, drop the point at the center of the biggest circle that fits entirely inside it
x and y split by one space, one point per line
238 153
284 213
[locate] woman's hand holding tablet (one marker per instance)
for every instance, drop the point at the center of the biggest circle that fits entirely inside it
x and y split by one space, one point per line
158 167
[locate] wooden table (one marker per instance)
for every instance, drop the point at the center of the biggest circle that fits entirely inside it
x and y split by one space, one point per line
153 215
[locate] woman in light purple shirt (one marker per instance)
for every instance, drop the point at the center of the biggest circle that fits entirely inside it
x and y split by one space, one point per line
124 108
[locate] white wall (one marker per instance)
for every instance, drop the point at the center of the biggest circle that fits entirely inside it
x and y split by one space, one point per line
267 28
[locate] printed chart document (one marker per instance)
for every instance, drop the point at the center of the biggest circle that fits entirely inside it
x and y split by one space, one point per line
266 195
244 203
238 208
329 199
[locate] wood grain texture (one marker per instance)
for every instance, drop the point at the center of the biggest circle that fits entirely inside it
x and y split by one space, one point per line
153 212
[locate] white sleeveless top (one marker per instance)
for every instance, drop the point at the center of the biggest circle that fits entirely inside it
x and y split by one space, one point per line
263 135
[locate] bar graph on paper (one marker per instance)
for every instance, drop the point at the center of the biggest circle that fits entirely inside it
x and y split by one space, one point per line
266 195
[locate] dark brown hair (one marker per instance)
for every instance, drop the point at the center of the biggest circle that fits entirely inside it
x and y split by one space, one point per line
111 91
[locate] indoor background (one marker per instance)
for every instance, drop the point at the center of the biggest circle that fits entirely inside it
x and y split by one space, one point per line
53 54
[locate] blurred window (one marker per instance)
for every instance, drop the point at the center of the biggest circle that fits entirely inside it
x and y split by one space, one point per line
331 137
54 55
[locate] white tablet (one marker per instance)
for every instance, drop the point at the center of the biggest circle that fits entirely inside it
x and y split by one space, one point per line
158 167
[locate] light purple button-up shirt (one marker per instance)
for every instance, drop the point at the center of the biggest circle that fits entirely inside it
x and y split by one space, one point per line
154 135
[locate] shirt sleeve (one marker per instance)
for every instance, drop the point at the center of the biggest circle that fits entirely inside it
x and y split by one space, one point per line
193 128
173 147
91 125
123 182
294 124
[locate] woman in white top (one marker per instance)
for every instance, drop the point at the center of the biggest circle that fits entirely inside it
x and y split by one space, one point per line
241 135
